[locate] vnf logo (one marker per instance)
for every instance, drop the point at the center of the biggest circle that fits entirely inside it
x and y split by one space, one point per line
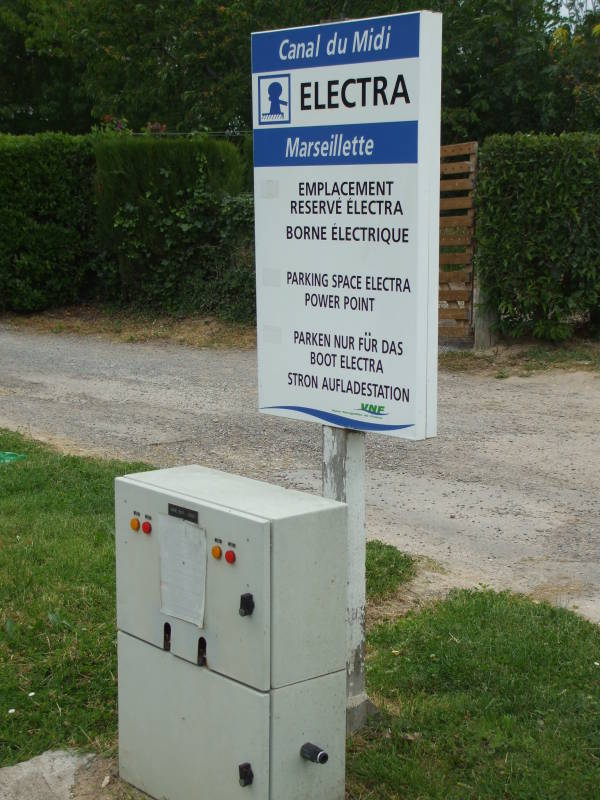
376 411
274 99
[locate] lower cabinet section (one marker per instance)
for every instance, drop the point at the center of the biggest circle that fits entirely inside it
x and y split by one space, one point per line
186 733
310 712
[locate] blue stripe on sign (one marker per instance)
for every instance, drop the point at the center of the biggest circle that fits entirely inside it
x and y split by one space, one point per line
377 39
338 419
392 143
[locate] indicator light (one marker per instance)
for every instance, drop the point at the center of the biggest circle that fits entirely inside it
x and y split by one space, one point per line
134 524
216 551
230 557
146 527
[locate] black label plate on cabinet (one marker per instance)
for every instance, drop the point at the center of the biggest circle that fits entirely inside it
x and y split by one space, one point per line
183 513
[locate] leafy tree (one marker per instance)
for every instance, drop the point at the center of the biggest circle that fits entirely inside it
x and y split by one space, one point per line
575 50
39 88
496 61
134 57
508 65
496 75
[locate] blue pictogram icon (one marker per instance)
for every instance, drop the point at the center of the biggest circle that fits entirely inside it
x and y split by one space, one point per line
275 90
274 100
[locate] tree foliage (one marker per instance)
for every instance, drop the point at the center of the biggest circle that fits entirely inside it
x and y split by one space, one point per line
38 89
508 65
575 50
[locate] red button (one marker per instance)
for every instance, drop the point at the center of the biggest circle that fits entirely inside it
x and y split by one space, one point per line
230 557
146 527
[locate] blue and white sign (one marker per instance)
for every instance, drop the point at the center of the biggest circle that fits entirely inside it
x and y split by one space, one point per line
346 182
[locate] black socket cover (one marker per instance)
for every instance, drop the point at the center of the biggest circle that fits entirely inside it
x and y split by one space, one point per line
246 774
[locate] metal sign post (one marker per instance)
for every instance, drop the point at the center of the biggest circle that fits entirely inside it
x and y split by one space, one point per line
346 119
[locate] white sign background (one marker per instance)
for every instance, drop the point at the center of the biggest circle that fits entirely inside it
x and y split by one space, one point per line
347 294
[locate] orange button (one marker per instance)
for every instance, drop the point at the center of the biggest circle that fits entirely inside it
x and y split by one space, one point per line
135 524
216 551
230 557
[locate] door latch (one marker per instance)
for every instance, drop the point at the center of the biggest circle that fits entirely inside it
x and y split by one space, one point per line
246 774
246 605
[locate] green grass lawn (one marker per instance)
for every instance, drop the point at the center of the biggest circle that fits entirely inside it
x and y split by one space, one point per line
57 601
387 570
483 695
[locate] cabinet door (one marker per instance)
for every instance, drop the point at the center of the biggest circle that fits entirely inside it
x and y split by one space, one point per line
184 731
311 711
170 577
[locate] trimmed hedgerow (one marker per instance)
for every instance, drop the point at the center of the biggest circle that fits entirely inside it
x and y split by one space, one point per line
176 232
125 219
47 220
127 166
538 231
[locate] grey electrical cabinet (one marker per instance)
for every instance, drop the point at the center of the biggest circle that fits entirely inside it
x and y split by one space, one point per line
231 597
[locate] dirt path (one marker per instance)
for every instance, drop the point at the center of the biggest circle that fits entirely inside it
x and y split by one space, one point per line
506 495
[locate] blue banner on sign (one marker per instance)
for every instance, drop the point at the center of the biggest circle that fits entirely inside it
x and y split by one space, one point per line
353 42
374 143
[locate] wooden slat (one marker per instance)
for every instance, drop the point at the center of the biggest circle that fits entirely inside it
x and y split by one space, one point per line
453 313
456 167
465 251
455 332
452 295
447 203
456 276
455 238
456 185
457 221
457 258
457 175
458 149
453 328
462 327
452 324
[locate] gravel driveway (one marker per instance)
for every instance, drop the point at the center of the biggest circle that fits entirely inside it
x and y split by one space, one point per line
506 495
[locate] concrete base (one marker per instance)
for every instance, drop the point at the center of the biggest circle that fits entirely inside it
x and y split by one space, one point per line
356 716
47 777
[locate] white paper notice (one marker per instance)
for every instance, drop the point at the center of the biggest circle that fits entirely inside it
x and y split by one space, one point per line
182 569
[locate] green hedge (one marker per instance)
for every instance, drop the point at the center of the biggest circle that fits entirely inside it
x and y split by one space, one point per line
166 223
175 232
47 220
538 231
156 221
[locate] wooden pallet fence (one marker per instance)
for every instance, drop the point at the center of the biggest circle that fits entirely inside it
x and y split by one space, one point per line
458 169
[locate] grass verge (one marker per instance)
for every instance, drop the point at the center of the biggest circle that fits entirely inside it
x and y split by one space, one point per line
387 570
57 601
525 359
483 695
135 325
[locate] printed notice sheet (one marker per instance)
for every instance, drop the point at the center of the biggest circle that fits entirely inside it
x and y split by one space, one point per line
182 569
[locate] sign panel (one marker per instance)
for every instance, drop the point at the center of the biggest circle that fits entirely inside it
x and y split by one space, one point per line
346 121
